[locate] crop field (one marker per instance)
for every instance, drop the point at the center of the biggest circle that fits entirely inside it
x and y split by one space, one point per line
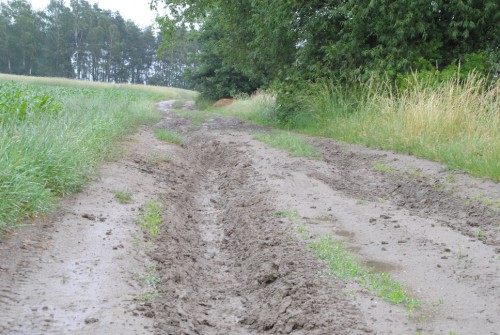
53 133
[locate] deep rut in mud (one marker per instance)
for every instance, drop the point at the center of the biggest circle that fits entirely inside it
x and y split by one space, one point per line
232 267
225 262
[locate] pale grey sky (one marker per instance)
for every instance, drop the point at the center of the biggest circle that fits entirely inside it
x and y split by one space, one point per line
135 10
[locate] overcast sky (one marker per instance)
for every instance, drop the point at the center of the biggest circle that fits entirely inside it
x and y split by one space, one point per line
135 10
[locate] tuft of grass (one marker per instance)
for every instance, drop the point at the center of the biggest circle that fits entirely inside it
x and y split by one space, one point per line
480 235
342 265
151 219
123 197
293 144
158 157
152 281
289 214
169 136
381 167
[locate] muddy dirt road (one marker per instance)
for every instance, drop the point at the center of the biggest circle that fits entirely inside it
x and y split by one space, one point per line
226 263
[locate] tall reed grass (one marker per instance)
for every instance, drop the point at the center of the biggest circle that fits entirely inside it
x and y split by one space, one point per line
46 155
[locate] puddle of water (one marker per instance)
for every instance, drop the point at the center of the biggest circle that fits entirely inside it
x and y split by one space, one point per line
379 267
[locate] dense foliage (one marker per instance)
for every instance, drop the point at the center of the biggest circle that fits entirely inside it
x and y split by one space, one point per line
291 41
85 42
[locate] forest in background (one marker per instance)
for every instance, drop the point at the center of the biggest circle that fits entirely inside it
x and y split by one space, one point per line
83 41
251 44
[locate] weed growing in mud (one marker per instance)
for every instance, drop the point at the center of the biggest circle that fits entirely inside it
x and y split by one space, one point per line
480 235
342 265
151 280
293 144
303 232
291 215
151 219
123 197
169 136
156 158
381 167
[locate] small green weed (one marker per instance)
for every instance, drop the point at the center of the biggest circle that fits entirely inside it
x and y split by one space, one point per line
451 178
123 197
480 234
151 219
156 158
151 280
482 199
415 174
303 232
381 167
289 214
342 265
169 136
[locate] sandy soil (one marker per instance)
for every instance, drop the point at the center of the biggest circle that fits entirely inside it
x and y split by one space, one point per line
227 264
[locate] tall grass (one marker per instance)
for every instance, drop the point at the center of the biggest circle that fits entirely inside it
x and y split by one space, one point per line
258 108
46 154
454 122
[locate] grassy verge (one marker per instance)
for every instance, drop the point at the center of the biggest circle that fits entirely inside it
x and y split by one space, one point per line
52 137
457 123
294 145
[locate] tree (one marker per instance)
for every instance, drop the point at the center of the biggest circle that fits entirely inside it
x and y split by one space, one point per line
22 37
360 39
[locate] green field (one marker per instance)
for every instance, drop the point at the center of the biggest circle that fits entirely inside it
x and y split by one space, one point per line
54 132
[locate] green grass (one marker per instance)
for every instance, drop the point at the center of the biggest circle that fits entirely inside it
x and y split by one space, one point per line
152 281
53 137
293 144
342 265
158 157
169 136
289 214
381 167
151 218
455 123
197 117
123 197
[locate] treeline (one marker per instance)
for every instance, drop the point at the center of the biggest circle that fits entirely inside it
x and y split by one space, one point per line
85 42
247 44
